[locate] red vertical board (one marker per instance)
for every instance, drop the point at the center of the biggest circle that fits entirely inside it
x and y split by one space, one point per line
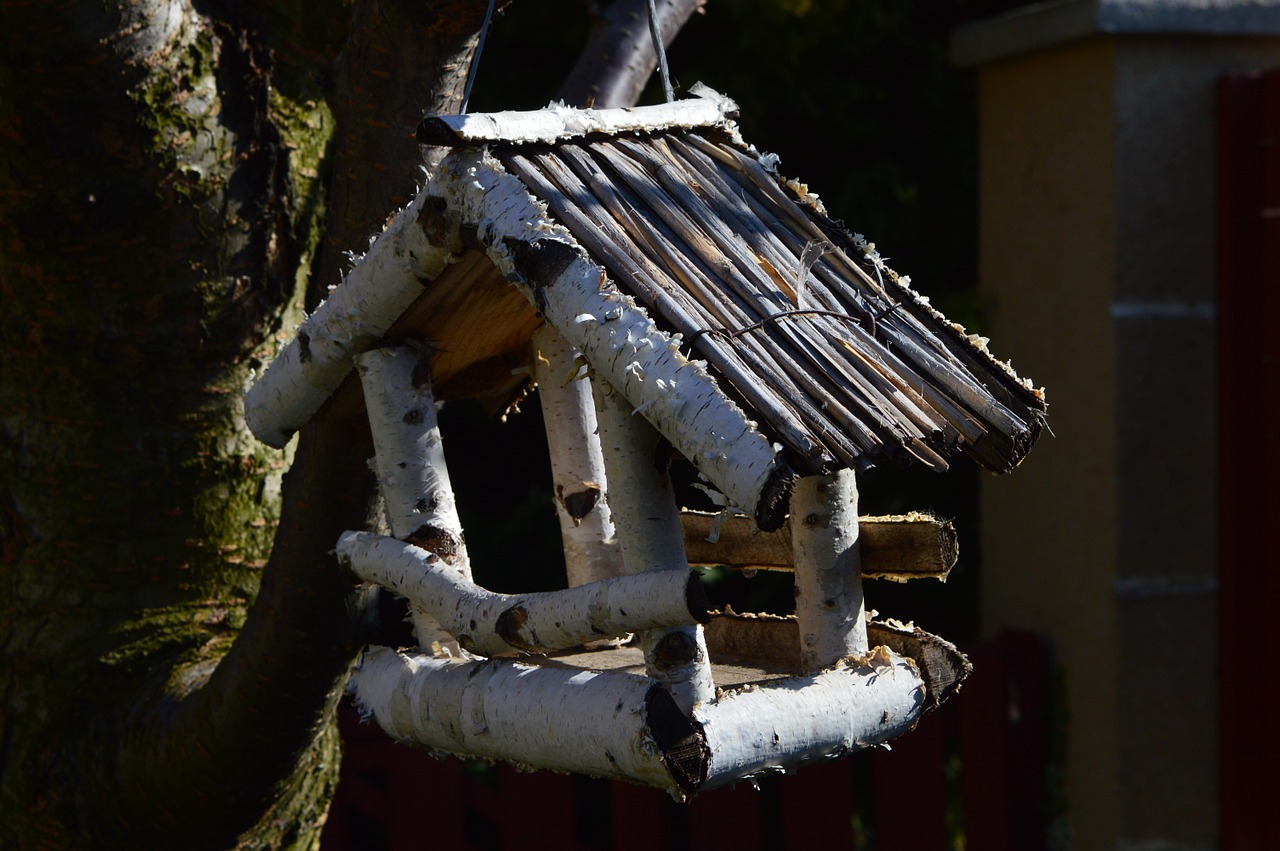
425 800
727 818
1248 313
641 817
536 809
910 797
817 807
1004 743
986 752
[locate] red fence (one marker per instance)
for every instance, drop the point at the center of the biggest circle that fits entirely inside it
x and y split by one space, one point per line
1248 256
972 775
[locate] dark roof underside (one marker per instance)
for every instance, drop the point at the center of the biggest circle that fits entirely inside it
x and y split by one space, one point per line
844 370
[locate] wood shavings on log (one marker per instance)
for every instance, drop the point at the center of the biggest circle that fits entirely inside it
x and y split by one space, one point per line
766 729
897 547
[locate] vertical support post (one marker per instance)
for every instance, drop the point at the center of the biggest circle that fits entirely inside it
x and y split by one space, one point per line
644 509
577 464
410 465
828 569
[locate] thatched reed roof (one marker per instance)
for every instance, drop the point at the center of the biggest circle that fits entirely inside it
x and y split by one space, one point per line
804 326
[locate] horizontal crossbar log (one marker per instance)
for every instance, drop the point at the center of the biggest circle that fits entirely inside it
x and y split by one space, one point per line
493 624
896 547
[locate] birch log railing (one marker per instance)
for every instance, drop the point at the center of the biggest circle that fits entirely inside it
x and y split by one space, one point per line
665 288
896 547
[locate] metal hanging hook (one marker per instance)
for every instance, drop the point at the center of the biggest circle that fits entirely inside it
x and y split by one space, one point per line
475 59
661 50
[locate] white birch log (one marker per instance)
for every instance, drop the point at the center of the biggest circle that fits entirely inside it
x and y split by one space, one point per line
503 709
828 571
559 122
378 288
412 475
625 348
492 624
410 462
577 465
563 719
636 460
784 724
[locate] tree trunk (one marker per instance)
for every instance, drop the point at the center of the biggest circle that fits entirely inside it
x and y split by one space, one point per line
173 176
163 189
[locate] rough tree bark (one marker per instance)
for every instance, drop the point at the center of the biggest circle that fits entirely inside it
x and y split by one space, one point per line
173 175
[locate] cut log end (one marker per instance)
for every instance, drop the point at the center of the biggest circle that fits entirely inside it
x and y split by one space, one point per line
696 599
680 740
942 666
775 498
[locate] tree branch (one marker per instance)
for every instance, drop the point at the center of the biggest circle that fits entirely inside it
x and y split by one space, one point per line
402 60
211 764
618 59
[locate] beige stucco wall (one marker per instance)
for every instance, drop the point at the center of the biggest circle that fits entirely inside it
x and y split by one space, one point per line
1096 206
1047 260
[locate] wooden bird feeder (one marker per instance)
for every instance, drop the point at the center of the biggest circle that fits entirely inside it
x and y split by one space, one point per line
665 289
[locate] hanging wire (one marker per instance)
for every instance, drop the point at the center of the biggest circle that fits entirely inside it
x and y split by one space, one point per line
661 50
475 59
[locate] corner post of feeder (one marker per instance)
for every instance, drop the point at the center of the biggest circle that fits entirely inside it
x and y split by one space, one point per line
828 569
410 464
577 464
636 460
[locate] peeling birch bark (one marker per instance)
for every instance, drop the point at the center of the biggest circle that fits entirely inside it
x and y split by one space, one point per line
410 465
558 122
636 459
761 729
412 472
492 624
500 709
828 570
680 397
621 726
378 288
577 465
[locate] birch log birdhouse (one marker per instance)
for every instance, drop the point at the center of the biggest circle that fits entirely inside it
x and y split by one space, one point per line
668 292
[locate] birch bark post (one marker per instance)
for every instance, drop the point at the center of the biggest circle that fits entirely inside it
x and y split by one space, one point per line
636 459
412 474
828 569
577 463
